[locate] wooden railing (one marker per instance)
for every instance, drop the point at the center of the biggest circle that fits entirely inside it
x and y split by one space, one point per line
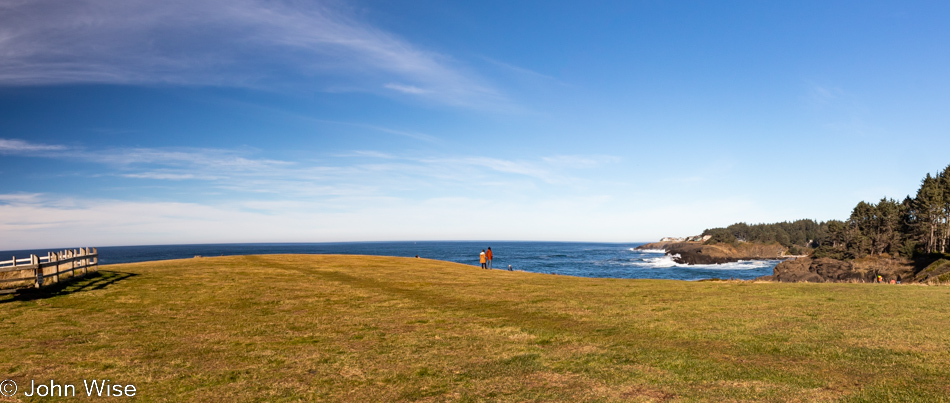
41 271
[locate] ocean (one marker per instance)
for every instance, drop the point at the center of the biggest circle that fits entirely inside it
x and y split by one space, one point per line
607 260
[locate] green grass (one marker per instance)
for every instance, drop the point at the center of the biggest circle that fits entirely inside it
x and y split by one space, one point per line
358 328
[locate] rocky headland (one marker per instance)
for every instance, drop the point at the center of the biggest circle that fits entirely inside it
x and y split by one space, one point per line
696 252
692 250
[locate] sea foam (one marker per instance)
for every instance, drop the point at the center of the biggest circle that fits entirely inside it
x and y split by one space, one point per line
648 250
667 261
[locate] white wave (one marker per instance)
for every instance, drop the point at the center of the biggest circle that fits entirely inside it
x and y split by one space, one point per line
667 261
661 262
648 250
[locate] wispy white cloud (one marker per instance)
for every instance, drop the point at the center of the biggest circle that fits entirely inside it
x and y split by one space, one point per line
310 118
528 169
238 195
43 220
248 43
164 176
525 73
408 89
842 111
14 146
189 158
360 173
581 161
823 95
19 197
366 154
404 133
555 170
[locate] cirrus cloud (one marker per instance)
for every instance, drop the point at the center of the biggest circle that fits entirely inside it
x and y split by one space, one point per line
15 146
244 43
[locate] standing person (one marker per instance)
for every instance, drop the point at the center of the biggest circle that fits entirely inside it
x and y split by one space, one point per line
481 258
488 255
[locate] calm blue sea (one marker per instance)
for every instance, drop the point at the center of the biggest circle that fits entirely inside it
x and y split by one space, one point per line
567 258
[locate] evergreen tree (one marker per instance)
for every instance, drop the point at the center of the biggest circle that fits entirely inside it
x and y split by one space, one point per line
836 234
860 225
943 182
887 236
908 220
928 206
919 224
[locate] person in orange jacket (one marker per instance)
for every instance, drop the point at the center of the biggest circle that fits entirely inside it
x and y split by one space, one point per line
481 258
488 255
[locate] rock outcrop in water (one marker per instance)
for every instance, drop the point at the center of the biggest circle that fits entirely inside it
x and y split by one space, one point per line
699 253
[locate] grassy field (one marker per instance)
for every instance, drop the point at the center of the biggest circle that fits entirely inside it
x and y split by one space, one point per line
358 328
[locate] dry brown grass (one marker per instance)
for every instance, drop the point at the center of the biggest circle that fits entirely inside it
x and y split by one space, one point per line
361 328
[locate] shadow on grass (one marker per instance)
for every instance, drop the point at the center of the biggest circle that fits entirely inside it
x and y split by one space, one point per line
93 281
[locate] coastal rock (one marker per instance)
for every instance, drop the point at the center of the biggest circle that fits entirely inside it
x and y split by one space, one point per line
792 271
824 270
816 271
661 245
699 253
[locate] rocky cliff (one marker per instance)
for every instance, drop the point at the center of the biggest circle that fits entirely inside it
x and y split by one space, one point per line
698 253
663 244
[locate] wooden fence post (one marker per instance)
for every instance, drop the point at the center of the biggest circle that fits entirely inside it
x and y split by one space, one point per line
35 261
66 256
57 270
95 251
59 257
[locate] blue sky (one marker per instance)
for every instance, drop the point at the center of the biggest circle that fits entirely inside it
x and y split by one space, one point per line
203 121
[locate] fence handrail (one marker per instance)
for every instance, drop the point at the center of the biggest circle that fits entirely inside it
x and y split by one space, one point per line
5 269
64 256
23 260
64 262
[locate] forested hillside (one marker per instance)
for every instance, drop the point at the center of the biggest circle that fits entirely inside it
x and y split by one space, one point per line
918 225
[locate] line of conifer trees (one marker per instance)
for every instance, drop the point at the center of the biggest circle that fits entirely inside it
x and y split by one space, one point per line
912 226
